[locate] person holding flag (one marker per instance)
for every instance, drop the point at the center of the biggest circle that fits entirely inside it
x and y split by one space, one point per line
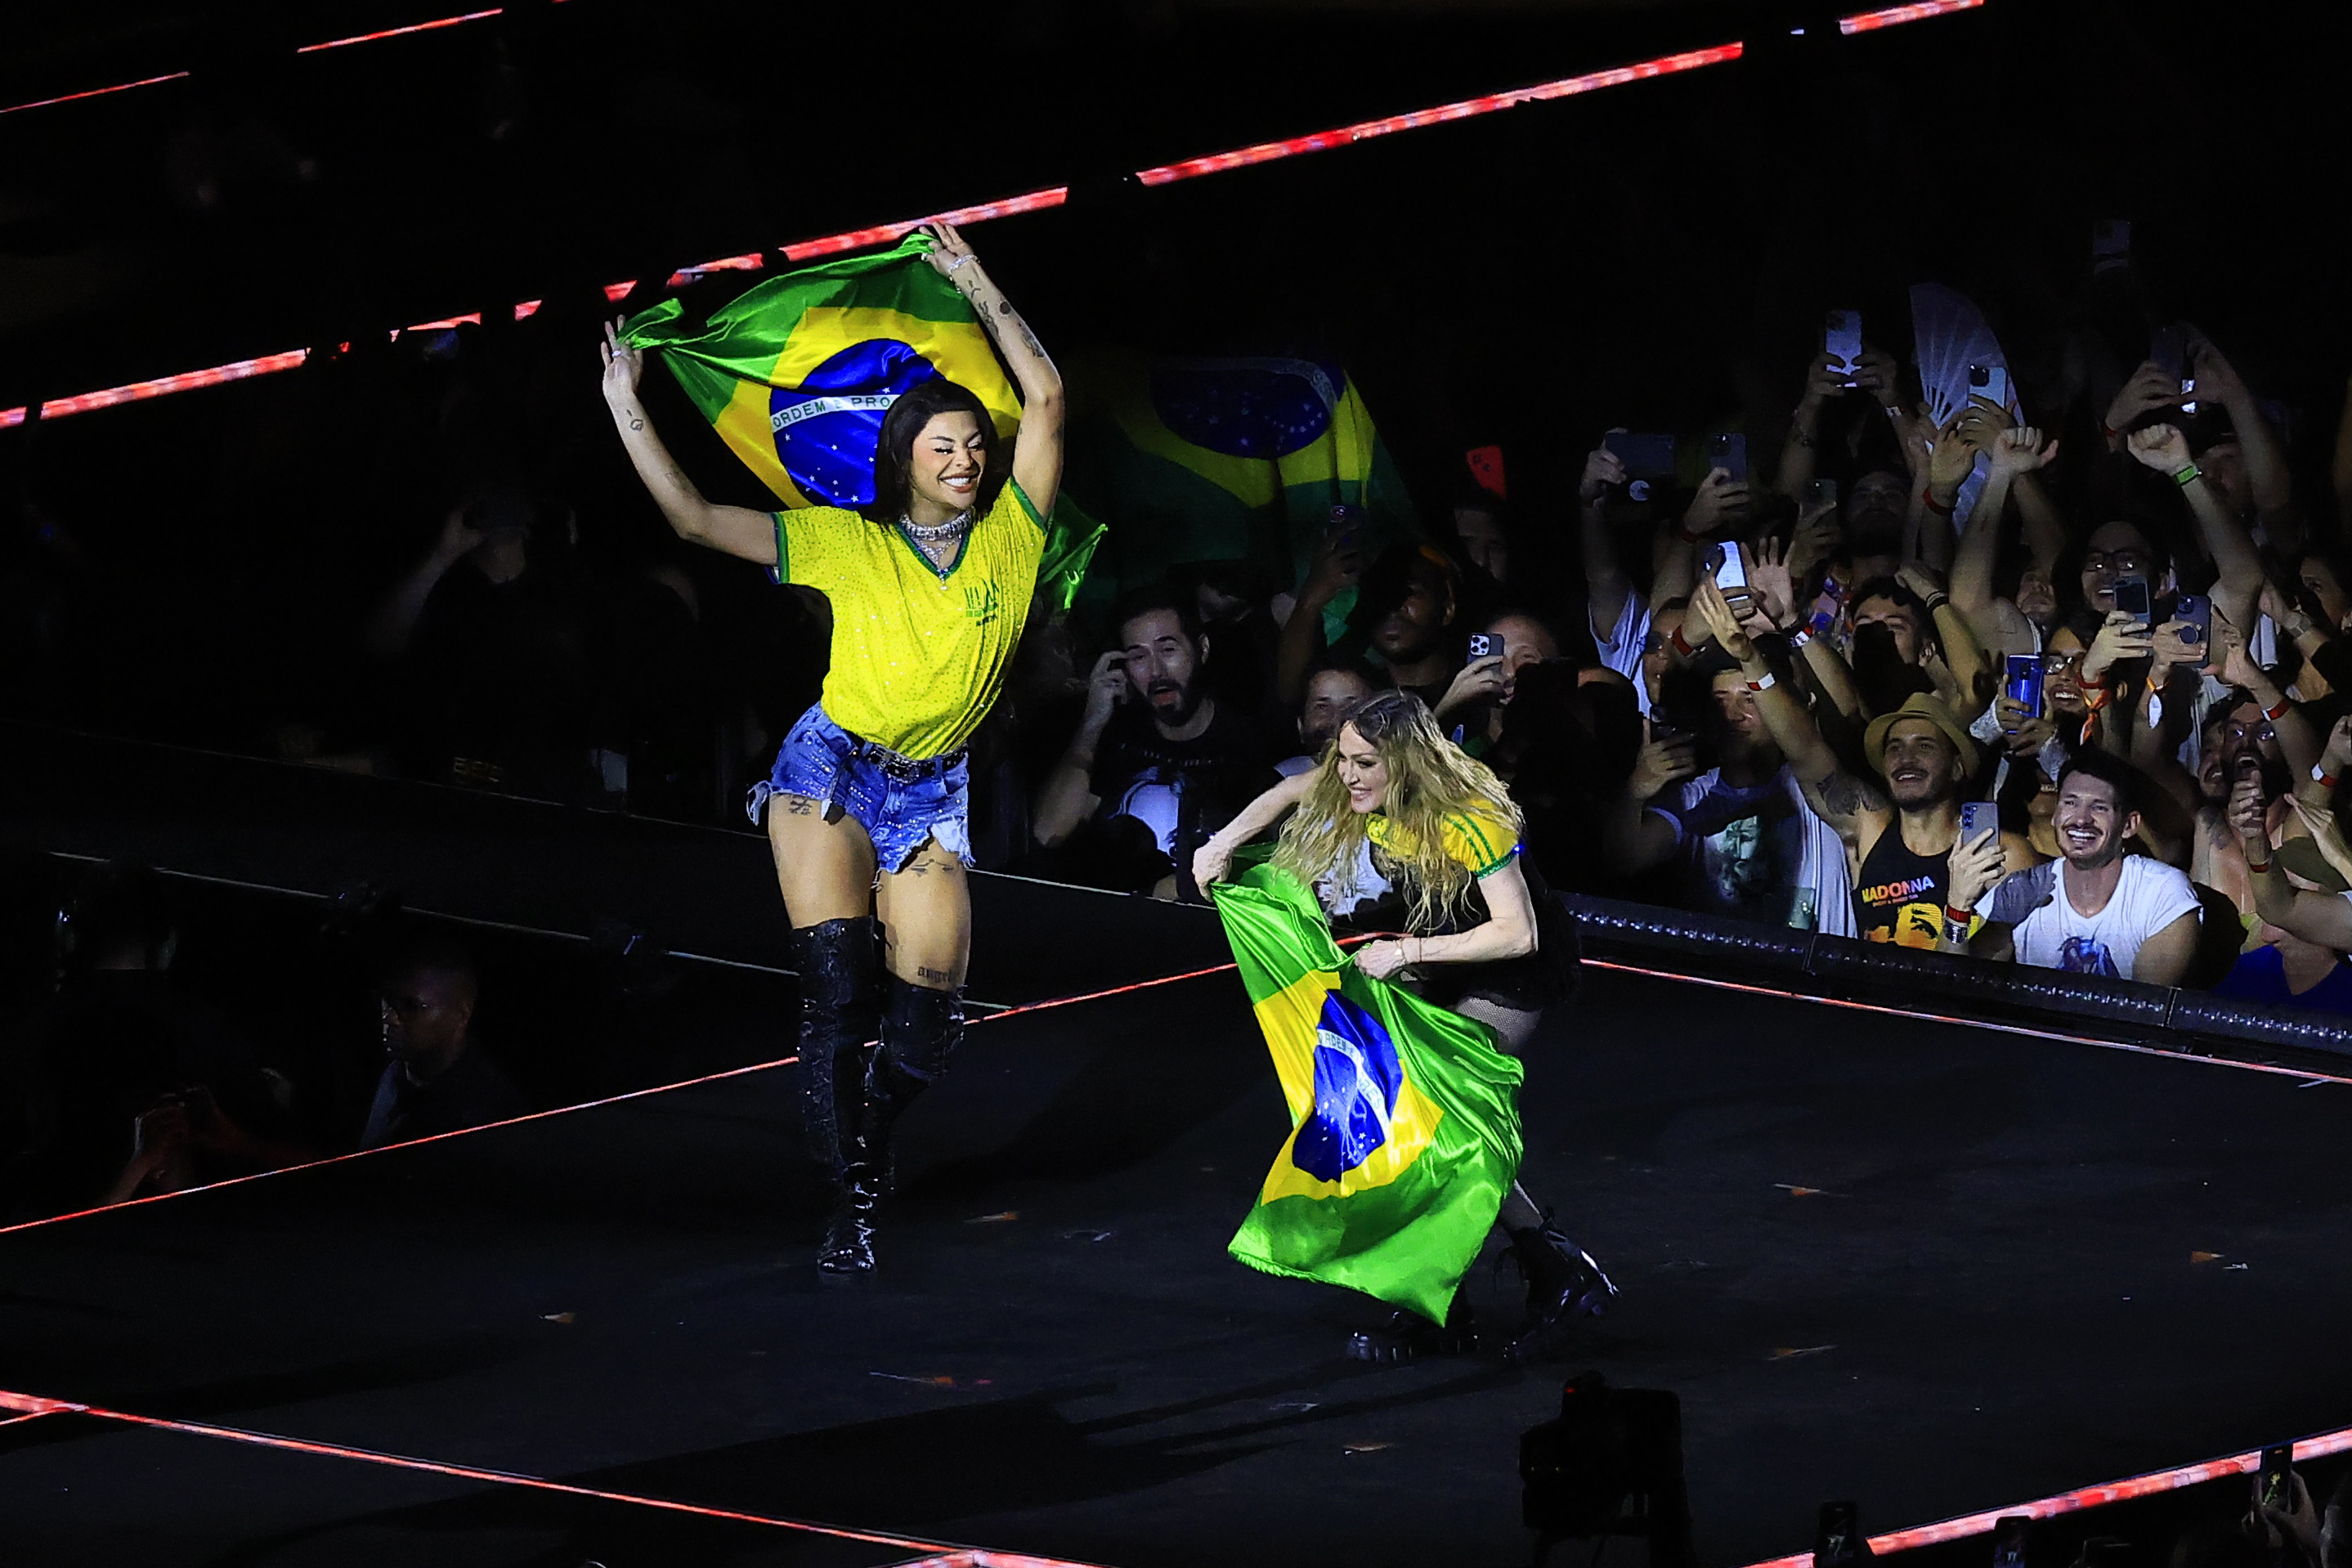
930 570
1405 1146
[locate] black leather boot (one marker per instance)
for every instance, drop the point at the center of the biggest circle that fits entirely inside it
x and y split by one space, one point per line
838 1018
1409 1336
1563 1283
921 1030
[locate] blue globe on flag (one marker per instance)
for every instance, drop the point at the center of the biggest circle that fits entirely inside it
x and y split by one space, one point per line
1356 1079
828 428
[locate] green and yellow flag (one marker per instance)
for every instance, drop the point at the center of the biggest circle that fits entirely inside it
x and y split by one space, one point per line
1404 1117
1234 460
796 375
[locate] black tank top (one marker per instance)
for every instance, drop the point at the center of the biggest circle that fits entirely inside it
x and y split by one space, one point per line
1899 896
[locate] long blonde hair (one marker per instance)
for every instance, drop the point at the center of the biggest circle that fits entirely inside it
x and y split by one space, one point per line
1430 779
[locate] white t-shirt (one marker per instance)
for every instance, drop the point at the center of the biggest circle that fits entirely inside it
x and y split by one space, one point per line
1621 645
1751 850
2149 897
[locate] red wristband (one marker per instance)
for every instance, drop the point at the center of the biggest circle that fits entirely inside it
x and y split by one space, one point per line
2285 705
1927 499
1959 917
1681 647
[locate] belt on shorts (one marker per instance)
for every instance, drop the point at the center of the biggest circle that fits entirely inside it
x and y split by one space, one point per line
904 769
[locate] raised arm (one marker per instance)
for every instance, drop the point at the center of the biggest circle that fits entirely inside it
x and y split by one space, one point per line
2266 465
1216 856
2165 450
1038 448
2322 917
1851 805
736 529
1606 586
2013 454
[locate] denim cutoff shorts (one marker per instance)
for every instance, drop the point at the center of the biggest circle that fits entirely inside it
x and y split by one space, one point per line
822 761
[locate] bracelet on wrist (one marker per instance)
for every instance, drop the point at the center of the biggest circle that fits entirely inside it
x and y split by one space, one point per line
1927 499
1682 647
2285 705
1799 639
1764 683
2189 475
1958 916
2257 867
2321 777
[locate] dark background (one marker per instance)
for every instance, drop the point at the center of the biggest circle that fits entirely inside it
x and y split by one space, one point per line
1652 254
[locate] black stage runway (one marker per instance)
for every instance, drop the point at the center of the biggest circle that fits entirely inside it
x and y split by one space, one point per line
1984 1293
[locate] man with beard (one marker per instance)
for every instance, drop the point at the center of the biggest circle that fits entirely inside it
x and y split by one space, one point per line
1157 764
2245 738
2093 910
1407 611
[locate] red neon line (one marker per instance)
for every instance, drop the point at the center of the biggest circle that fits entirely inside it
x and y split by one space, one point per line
526 309
94 92
885 234
163 386
2080 1498
11 417
396 32
750 261
33 1403
1895 15
615 292
473 319
2307 1075
1322 140
387 1148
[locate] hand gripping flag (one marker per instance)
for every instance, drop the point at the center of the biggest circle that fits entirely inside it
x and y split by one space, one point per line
1404 1117
796 375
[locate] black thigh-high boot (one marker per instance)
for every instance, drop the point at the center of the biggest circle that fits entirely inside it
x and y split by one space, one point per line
921 1030
839 1015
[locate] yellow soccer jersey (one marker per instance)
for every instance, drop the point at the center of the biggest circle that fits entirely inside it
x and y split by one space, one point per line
918 653
1479 838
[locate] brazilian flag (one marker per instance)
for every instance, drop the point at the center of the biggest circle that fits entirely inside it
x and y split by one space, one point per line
796 375
1404 1117
1230 459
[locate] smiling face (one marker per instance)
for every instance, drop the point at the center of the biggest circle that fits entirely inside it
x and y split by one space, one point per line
2092 823
944 470
1922 766
2062 673
1362 772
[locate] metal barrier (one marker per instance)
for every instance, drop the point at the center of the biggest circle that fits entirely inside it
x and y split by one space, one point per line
1840 967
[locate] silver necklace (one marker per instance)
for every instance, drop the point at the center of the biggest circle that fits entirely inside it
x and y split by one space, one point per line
932 532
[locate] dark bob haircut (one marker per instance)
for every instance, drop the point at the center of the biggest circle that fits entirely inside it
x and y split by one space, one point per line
894 453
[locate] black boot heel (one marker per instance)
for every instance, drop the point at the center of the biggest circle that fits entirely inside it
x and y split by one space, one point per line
1564 1283
1409 1336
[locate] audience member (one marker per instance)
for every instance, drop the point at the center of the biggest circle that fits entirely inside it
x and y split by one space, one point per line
436 1079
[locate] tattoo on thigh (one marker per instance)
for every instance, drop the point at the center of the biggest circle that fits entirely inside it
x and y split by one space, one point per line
923 974
799 805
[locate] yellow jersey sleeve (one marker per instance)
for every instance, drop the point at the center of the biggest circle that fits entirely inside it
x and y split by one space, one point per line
815 544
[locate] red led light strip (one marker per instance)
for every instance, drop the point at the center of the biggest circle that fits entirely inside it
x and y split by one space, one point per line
2081 1498
2304 1074
750 261
884 234
94 92
35 1404
10 417
1322 141
396 32
163 386
1895 15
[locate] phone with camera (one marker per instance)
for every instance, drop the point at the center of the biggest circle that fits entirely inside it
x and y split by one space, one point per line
1645 456
2198 610
2278 1478
2168 347
1730 572
1841 337
1990 382
2009 1539
2131 597
1978 817
1819 493
1728 453
2022 684
1485 645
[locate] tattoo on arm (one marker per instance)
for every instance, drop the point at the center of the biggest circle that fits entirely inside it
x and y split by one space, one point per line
636 423
1846 796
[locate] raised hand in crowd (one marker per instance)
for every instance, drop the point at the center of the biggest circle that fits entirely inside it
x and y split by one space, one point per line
2295 1526
2123 637
2024 732
1480 680
2149 388
1878 376
1813 543
1720 501
1662 760
1772 586
1603 470
1337 566
1977 867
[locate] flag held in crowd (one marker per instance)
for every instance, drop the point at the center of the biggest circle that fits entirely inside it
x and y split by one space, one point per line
1404 1118
796 375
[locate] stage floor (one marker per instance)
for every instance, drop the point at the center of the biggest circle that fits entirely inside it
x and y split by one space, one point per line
1932 1268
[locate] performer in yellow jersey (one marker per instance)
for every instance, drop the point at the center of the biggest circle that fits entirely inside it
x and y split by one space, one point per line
865 810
